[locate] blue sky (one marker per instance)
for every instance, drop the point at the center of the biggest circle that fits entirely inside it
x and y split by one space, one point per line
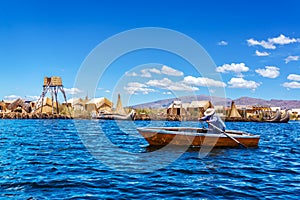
254 44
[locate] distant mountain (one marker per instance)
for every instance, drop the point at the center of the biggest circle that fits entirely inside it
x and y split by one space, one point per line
186 99
284 104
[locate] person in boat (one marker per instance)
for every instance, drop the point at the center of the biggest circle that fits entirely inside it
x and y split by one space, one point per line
211 118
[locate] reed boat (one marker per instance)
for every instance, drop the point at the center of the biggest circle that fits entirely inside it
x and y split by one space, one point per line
285 117
109 116
197 137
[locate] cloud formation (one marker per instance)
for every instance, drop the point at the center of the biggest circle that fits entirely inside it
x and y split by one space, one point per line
242 83
167 84
282 40
269 72
264 44
170 71
72 91
272 42
294 77
222 43
202 81
258 53
135 88
131 74
237 68
291 58
293 85
147 72
32 98
11 97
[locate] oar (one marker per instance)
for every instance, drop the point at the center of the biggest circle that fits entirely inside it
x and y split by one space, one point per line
228 135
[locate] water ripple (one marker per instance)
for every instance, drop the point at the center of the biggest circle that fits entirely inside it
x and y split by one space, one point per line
46 159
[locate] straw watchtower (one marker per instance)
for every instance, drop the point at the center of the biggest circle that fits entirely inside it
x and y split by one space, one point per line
53 85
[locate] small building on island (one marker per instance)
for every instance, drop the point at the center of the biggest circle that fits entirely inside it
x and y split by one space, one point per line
175 111
47 106
99 105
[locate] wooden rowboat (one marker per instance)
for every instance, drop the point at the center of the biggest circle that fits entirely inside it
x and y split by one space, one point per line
197 137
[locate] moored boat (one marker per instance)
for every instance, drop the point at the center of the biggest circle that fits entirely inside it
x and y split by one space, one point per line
197 137
275 119
285 117
108 116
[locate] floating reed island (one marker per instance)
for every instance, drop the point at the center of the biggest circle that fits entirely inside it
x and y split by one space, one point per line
102 108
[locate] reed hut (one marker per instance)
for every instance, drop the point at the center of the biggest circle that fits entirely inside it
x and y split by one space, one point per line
176 111
78 104
19 105
3 106
99 105
49 107
119 107
233 112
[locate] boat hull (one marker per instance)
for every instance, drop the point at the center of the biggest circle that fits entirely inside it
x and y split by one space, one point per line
196 137
113 117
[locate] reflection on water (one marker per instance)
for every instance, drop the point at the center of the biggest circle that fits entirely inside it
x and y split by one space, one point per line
47 159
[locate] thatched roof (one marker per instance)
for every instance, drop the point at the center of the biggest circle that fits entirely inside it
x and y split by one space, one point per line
119 106
100 102
233 111
175 104
19 103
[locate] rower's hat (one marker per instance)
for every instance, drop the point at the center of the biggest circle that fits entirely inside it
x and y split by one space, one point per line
209 112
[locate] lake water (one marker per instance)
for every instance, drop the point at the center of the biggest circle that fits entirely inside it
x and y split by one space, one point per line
90 159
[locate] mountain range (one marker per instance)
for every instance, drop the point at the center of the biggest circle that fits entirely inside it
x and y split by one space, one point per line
283 104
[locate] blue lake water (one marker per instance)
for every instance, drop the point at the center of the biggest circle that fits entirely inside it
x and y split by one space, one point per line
90 159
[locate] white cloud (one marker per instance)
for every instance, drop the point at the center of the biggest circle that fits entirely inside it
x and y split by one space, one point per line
270 44
72 91
154 70
258 53
264 44
167 84
170 71
146 73
291 58
107 91
135 88
242 83
131 74
293 84
237 68
202 81
269 72
282 40
26 98
11 97
222 43
168 93
32 98
294 77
